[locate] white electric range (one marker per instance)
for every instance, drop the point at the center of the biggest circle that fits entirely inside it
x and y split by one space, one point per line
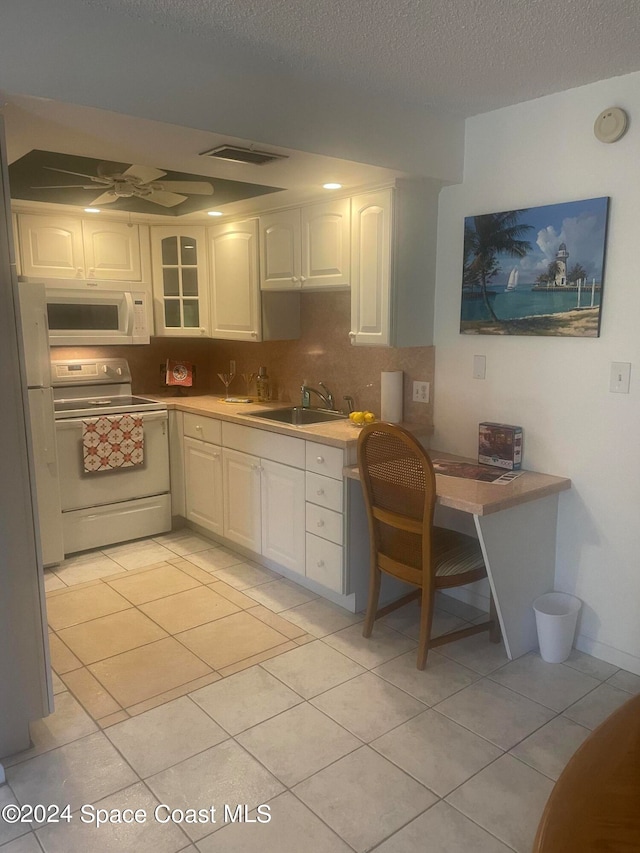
105 507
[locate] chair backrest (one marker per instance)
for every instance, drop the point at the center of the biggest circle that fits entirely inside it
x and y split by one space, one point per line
400 492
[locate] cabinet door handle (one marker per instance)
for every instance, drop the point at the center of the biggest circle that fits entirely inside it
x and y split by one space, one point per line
294 278
320 563
303 278
79 272
199 427
320 523
352 334
320 459
216 455
254 334
320 492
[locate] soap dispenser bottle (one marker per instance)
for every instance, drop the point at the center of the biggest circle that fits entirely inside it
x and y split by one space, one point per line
262 386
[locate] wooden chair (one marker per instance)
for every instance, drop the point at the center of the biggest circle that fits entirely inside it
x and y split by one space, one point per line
400 493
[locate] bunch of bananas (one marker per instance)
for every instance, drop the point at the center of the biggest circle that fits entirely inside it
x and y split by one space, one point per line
362 418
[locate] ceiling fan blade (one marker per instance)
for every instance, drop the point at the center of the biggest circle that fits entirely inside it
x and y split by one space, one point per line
79 175
106 198
164 198
143 174
189 187
67 187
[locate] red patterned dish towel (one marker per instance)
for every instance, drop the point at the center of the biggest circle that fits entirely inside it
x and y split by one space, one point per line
112 441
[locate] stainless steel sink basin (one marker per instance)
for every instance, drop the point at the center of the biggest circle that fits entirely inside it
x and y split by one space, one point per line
298 416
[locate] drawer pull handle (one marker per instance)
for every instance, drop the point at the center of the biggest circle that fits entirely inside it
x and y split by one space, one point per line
320 563
320 523
199 427
320 459
320 492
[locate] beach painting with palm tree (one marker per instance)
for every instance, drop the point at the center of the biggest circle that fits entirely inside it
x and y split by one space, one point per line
535 271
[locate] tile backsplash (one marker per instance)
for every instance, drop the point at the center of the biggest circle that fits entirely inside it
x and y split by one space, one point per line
323 353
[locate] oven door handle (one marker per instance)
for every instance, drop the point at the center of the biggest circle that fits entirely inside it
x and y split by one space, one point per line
147 417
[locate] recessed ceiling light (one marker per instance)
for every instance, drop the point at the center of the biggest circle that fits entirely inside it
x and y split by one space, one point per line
214 213
331 186
91 210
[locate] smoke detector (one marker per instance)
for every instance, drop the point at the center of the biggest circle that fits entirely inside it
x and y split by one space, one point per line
611 125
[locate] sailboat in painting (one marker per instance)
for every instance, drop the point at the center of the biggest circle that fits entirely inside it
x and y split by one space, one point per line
513 280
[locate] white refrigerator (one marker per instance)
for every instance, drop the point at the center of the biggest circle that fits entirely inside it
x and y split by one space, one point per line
25 674
33 312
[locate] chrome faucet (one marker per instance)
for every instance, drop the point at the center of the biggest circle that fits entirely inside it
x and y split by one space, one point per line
326 397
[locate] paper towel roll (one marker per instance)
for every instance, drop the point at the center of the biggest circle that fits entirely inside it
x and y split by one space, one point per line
391 396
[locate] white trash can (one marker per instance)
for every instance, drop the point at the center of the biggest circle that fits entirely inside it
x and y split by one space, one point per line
556 618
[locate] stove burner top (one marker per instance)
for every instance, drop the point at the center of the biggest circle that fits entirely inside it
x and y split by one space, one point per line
100 403
94 406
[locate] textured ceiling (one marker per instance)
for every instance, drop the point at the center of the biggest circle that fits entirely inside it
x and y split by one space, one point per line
459 56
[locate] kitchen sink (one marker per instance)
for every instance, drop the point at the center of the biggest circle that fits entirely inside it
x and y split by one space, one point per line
299 416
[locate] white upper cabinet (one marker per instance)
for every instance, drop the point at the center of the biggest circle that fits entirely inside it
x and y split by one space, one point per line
371 268
393 253
235 286
65 247
111 250
180 283
280 250
306 249
326 246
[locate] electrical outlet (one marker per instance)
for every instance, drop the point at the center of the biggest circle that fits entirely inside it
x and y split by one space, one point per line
420 392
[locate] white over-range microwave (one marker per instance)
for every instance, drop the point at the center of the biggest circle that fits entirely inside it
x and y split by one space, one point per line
102 314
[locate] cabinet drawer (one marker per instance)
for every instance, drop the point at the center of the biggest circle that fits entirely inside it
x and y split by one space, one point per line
206 429
323 459
324 562
325 523
265 444
324 491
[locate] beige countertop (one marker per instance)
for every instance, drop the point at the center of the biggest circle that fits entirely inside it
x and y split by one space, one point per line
480 498
341 433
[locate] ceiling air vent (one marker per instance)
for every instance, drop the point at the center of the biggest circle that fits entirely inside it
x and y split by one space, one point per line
243 155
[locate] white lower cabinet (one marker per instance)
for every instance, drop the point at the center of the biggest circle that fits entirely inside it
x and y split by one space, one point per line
324 516
283 515
203 484
324 563
278 496
242 502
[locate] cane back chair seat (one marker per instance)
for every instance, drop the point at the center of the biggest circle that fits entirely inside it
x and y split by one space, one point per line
399 488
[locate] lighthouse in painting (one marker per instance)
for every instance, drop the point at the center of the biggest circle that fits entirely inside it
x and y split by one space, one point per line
561 266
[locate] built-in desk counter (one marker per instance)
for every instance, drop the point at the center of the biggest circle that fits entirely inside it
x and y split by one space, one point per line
516 525
480 498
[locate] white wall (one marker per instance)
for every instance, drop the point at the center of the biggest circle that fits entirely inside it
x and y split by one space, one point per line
536 153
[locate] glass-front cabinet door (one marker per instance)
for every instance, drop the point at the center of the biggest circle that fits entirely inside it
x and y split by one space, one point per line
180 281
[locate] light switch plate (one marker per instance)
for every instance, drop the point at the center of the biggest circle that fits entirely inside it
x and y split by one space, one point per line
479 366
620 377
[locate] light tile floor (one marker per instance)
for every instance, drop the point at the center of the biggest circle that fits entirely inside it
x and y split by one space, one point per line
187 676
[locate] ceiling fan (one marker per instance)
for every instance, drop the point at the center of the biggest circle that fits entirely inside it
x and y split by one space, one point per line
136 181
